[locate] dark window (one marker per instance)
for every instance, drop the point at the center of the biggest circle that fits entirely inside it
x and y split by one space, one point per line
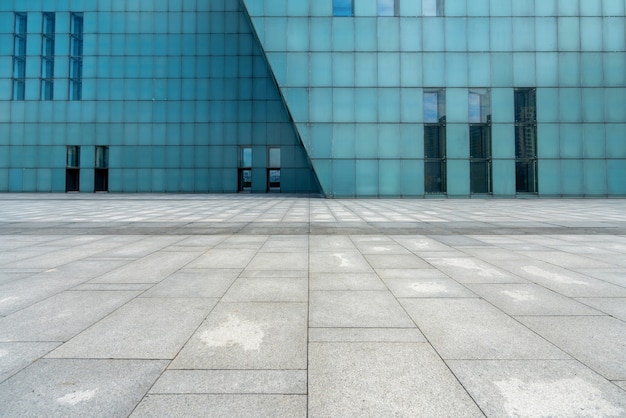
526 140
72 171
273 170
435 141
19 56
480 141
245 169
101 179
47 56
343 8
76 56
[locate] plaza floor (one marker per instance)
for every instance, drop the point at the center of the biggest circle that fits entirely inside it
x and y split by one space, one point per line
245 306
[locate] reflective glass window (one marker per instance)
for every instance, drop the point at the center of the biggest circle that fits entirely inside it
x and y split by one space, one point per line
343 8
387 7
432 7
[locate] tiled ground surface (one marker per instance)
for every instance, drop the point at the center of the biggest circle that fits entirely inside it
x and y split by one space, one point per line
285 306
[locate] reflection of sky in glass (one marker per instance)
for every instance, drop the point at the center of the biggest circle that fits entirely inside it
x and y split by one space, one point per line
341 7
479 105
433 106
429 7
386 7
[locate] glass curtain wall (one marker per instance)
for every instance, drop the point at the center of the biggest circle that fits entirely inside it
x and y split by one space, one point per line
435 141
526 140
480 141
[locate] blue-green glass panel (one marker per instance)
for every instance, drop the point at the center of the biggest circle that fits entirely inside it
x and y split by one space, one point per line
457 106
478 33
390 178
594 143
501 7
456 34
433 36
298 101
614 70
458 177
523 8
594 177
568 32
297 69
321 105
546 34
591 31
343 69
549 177
412 136
297 34
547 105
410 69
593 105
343 34
570 105
388 35
322 140
457 141
389 141
616 173
616 141
367 177
434 69
615 105
411 105
343 105
388 105
503 177
545 7
321 74
501 34
456 69
503 141
502 69
343 8
571 141
613 7
412 178
388 69
572 177
568 8
366 140
523 33
344 178
569 69
548 141
366 103
592 72
322 28
547 69
479 69
365 33
365 73
410 34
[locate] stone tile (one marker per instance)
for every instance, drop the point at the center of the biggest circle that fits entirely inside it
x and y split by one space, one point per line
530 299
539 388
345 281
251 242
614 276
621 384
268 290
145 328
599 342
330 243
19 294
62 316
383 379
150 269
615 307
421 244
360 309
220 258
285 244
381 248
275 274
279 261
403 335
142 247
78 388
424 288
566 260
224 406
15 356
338 262
399 261
267 382
194 283
112 286
248 336
416 274
472 270
474 329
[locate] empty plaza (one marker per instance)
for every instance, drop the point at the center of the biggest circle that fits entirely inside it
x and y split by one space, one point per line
295 306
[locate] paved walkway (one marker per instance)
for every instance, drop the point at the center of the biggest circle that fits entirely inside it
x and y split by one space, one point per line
167 305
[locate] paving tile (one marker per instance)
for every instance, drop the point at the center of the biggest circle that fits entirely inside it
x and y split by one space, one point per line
360 309
275 274
15 356
615 307
383 379
338 262
599 342
285 382
530 299
474 329
539 388
195 283
615 276
397 261
563 259
112 286
267 290
366 335
621 384
62 316
19 294
78 388
235 406
472 270
150 269
330 243
279 261
248 336
220 258
345 281
145 328
421 244
425 288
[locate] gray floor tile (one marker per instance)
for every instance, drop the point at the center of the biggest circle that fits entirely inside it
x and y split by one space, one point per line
248 336
425 288
530 299
20 294
472 270
539 389
15 356
402 335
615 307
345 281
621 384
279 261
383 379
267 382
338 262
359 309
78 388
599 342
418 274
62 316
195 283
224 406
474 329
222 258
396 261
267 290
145 328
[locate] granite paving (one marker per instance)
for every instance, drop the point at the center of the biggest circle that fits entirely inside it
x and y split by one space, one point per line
296 306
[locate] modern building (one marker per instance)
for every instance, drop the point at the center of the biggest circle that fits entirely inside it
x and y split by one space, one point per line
348 98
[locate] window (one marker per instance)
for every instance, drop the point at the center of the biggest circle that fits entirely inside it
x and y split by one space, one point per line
273 170
435 141
19 56
245 169
72 171
343 8
526 140
47 56
432 7
480 141
101 174
76 56
388 8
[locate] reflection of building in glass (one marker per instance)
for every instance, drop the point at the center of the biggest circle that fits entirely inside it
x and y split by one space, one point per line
372 98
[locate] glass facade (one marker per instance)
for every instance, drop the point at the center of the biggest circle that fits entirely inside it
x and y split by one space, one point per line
357 98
